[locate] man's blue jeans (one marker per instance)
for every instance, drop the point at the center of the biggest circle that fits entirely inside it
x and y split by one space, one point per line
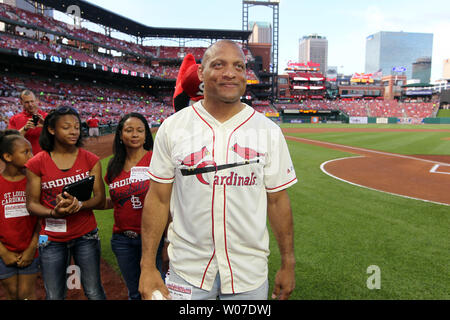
55 258
128 253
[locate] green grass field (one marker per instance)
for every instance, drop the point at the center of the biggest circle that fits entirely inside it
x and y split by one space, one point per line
443 113
341 229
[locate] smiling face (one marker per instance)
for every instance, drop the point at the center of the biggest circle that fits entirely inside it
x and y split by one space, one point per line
133 133
223 73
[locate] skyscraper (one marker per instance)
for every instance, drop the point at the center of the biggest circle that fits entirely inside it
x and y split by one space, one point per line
446 69
421 70
387 50
262 32
314 48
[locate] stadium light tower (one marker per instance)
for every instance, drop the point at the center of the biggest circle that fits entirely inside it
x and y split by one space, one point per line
274 4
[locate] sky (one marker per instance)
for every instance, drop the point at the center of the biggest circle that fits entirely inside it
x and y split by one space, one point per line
345 23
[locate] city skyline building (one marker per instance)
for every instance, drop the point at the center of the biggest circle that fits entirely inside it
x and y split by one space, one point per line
395 52
261 32
446 69
314 48
421 70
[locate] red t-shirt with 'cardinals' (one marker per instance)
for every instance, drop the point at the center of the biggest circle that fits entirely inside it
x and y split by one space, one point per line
16 225
127 191
53 180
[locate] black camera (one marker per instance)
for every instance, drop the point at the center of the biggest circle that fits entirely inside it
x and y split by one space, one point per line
35 119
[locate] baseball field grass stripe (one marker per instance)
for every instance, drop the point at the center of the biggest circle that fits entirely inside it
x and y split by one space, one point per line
341 229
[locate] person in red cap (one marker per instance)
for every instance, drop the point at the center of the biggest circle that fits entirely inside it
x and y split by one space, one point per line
30 121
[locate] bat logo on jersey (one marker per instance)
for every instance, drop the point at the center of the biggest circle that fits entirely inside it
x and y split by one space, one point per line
195 157
203 165
210 166
245 152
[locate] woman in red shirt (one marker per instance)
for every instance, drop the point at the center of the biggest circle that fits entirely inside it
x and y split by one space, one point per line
18 230
128 182
68 227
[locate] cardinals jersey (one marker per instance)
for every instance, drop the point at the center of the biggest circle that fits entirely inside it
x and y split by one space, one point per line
53 180
128 192
221 173
16 225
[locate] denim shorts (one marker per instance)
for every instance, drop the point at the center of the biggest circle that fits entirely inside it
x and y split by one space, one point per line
10 271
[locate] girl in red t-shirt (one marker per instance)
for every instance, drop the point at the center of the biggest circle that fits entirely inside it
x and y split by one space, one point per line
69 227
128 181
18 230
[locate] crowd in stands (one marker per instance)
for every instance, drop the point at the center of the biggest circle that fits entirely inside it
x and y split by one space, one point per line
60 27
107 103
27 17
31 45
117 102
54 47
263 106
367 108
111 103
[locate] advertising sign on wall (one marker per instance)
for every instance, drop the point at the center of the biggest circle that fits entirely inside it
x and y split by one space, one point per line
358 120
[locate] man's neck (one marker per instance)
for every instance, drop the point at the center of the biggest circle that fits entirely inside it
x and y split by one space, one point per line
222 111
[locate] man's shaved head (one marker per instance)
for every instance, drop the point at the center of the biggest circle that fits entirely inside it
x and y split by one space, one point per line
217 45
26 92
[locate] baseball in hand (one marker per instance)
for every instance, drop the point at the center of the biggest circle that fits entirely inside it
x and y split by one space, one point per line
157 295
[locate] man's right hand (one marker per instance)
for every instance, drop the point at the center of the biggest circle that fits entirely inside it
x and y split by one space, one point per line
27 126
151 281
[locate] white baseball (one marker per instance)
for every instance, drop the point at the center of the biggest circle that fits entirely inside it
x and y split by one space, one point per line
157 295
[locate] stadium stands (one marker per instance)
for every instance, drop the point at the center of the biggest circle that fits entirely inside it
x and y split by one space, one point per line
114 102
366 108
111 103
263 106
32 46
94 41
162 62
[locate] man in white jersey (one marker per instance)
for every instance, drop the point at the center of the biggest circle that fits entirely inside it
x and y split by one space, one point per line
220 169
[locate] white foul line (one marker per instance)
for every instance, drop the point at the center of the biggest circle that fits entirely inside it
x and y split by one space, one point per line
322 167
437 163
435 167
368 150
